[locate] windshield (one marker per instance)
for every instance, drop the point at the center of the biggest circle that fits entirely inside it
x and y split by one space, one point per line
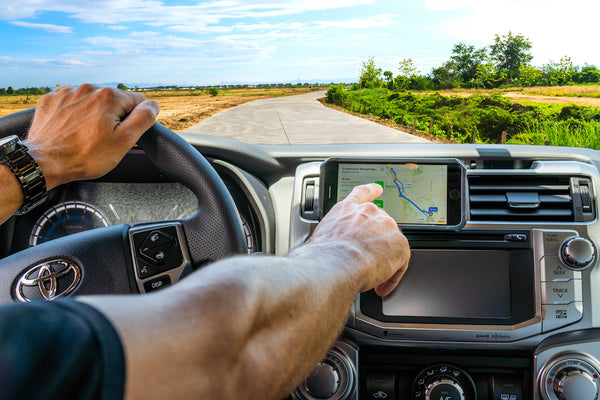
455 71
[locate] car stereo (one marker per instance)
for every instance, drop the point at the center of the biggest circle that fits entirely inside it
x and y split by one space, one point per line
421 194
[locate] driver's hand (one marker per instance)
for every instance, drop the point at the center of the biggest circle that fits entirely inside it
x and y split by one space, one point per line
383 248
83 133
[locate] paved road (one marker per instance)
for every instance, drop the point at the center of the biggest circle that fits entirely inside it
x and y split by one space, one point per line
297 119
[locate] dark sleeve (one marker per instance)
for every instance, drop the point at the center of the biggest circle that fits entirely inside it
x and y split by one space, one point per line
63 349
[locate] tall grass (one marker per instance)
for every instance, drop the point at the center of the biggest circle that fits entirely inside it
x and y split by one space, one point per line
560 133
564 91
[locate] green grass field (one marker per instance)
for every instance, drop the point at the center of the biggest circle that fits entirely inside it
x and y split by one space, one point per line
485 117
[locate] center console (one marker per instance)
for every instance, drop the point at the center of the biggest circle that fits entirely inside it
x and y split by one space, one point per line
497 305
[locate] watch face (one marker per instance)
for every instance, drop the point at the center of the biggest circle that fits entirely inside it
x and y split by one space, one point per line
6 140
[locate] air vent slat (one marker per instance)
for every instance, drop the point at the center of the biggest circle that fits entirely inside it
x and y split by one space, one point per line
520 198
522 188
540 213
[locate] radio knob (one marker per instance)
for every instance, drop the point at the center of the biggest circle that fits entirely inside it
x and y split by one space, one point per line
444 389
577 253
332 379
322 382
575 384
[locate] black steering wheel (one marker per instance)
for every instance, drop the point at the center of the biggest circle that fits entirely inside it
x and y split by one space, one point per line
122 259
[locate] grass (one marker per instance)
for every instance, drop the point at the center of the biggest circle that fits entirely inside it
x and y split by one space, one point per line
563 91
561 133
479 116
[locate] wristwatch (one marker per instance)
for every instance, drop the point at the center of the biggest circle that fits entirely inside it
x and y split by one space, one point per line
14 154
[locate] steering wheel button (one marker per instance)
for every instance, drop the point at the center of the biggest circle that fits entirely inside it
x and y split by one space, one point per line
157 284
157 247
144 269
157 239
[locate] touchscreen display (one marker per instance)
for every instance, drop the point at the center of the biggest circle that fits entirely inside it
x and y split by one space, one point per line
453 284
412 193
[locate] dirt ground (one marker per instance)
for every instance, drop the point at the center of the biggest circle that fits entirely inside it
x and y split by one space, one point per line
178 110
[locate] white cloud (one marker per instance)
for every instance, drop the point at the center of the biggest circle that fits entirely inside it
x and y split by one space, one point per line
46 27
365 23
210 12
554 27
117 27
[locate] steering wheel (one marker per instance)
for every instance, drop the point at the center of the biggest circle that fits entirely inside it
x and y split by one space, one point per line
122 259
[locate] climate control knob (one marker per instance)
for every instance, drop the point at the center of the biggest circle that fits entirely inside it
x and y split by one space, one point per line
570 377
577 253
444 389
443 381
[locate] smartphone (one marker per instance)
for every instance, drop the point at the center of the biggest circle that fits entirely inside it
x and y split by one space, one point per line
417 193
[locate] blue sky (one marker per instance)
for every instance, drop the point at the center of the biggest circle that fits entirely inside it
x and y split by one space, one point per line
48 42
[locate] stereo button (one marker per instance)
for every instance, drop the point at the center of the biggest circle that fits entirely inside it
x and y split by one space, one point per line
558 316
554 270
561 292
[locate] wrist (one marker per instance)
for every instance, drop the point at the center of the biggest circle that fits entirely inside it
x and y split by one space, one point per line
12 195
15 156
339 255
46 163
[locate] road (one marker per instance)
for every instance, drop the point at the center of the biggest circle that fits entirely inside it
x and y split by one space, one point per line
299 119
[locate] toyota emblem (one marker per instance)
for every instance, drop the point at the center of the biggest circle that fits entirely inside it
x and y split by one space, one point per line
48 281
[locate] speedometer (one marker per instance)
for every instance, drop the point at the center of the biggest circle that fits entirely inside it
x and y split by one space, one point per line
65 219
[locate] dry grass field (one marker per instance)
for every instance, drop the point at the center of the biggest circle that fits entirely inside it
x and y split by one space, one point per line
178 109
584 95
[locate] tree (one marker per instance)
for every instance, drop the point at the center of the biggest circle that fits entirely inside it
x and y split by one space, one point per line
488 76
529 76
446 76
509 52
559 73
589 74
408 73
370 75
466 60
122 87
10 90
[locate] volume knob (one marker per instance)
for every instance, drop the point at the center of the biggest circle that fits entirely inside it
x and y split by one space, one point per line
577 253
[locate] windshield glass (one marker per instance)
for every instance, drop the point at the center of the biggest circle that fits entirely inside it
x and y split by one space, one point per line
453 71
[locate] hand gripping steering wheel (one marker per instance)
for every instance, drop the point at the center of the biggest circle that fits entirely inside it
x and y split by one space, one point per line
123 259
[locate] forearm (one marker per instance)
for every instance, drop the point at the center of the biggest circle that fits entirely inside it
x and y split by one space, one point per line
248 326
12 195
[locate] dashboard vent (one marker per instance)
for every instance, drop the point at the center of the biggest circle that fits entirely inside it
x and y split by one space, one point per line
529 198
309 203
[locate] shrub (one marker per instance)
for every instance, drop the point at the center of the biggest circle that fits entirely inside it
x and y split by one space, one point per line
213 91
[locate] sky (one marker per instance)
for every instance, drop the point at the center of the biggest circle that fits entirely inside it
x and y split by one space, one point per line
192 42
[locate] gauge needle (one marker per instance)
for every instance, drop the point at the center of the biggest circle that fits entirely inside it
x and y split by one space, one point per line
114 211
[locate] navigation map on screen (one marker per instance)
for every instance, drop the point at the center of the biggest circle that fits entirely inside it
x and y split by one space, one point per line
412 193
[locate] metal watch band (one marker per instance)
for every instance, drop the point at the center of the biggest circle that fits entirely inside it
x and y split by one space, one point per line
29 174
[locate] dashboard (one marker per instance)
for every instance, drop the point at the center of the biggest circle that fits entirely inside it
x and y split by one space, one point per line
505 305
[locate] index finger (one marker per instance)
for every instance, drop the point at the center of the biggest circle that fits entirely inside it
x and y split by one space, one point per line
365 193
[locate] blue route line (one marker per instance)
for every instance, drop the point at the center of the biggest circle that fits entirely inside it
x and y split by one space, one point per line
401 193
